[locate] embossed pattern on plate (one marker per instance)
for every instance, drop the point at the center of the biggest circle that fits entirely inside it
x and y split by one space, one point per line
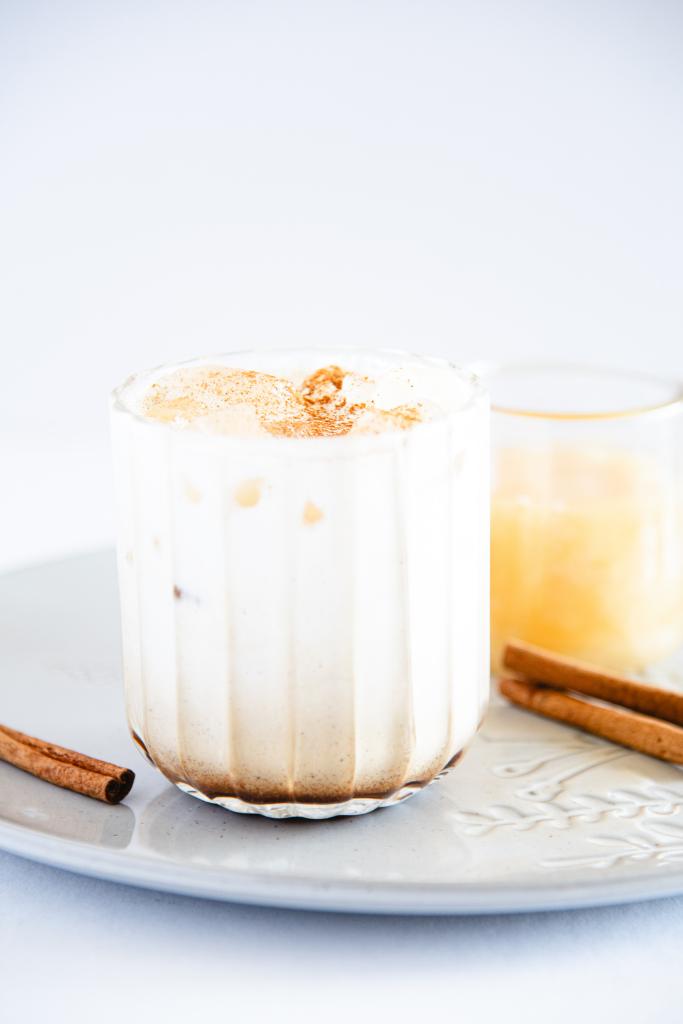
536 816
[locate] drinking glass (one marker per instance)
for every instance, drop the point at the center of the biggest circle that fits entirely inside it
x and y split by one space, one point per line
305 620
587 512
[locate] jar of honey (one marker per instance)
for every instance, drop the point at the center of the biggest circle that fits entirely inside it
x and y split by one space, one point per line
587 513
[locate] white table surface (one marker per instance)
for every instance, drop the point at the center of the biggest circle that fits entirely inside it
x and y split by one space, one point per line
473 179
85 950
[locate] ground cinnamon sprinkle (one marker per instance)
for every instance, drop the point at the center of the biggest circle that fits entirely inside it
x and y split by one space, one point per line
326 406
378 420
247 402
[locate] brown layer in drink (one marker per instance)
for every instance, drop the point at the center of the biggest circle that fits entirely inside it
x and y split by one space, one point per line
218 785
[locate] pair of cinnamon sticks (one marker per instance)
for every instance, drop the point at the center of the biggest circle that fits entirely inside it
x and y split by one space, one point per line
652 724
66 768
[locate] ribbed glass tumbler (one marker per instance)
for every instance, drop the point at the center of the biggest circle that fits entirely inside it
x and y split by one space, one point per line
305 620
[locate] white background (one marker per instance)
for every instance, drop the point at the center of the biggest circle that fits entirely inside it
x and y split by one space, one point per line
466 178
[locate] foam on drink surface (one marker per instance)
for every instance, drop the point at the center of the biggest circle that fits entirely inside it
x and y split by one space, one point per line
329 402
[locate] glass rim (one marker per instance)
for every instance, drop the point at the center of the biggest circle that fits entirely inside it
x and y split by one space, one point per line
487 370
311 446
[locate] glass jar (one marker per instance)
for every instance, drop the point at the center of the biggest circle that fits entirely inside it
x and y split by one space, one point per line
587 513
305 620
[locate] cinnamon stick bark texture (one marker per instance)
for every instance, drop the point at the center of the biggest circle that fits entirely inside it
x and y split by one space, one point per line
542 666
646 735
69 769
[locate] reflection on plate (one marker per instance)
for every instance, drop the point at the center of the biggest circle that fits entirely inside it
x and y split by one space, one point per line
24 801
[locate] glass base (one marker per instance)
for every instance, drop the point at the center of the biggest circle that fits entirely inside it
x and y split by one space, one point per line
357 805
317 811
302 809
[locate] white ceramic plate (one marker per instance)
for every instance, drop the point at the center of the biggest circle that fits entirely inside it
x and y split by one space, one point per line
537 816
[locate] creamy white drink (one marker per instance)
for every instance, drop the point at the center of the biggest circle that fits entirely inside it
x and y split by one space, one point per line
303 566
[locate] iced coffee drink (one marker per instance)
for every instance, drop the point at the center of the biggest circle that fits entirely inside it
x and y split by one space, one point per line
303 565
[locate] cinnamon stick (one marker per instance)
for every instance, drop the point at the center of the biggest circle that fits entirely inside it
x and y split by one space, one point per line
69 769
646 735
543 666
